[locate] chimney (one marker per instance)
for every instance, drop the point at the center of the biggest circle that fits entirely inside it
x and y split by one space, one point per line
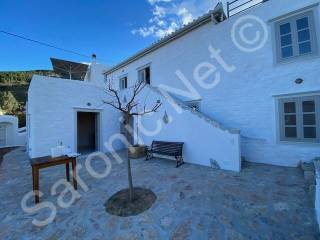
94 59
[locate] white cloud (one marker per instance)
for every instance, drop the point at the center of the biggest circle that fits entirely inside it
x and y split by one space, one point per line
185 15
152 2
170 15
156 31
144 31
159 11
160 33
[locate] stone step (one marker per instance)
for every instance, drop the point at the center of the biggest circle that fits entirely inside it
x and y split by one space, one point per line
309 174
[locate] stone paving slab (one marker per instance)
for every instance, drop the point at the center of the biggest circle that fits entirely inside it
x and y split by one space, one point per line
193 202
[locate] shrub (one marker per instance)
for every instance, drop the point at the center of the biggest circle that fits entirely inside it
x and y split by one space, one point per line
8 103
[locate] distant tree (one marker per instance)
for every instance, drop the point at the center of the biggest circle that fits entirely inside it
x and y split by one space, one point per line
20 78
8 103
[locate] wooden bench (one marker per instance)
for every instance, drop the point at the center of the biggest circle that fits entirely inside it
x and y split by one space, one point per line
172 149
45 162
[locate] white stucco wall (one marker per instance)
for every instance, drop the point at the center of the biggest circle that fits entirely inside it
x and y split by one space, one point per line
204 142
244 99
317 201
317 190
95 74
13 138
52 106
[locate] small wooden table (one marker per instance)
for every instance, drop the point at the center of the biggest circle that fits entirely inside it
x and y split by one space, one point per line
45 162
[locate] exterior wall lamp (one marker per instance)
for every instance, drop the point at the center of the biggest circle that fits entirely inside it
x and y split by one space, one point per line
299 81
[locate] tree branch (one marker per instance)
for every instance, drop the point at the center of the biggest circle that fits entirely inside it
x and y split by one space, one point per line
112 104
154 109
116 103
113 93
138 87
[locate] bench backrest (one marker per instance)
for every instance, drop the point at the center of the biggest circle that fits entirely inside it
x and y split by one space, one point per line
168 148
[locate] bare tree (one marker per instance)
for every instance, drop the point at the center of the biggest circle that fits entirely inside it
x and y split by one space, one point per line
129 109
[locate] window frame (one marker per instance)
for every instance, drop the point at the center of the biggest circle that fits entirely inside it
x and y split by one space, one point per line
310 13
299 119
126 82
143 68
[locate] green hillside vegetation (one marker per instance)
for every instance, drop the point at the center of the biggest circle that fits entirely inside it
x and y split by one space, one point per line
18 91
13 92
8 103
20 78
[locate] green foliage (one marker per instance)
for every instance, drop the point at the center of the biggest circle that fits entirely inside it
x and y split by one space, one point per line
20 78
19 92
13 92
8 103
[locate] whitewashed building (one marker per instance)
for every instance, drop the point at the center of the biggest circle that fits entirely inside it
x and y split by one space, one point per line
69 112
246 85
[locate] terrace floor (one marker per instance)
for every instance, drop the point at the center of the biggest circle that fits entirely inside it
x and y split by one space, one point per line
193 202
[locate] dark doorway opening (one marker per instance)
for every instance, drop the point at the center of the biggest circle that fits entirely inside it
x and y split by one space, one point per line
87 134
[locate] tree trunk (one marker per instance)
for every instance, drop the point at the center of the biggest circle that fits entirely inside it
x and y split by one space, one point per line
128 137
131 193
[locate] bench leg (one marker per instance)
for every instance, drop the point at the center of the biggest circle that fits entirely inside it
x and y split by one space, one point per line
149 156
35 180
68 172
182 161
179 160
74 173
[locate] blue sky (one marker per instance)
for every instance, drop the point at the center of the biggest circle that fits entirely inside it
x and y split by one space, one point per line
112 29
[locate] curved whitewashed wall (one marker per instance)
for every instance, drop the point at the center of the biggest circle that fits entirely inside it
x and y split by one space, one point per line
13 137
244 98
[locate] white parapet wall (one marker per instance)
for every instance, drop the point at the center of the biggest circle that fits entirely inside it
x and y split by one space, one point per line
206 142
9 132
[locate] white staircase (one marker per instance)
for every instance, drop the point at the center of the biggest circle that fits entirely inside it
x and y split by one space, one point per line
207 142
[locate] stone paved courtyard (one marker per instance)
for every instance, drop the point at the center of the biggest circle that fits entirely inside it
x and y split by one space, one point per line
193 202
